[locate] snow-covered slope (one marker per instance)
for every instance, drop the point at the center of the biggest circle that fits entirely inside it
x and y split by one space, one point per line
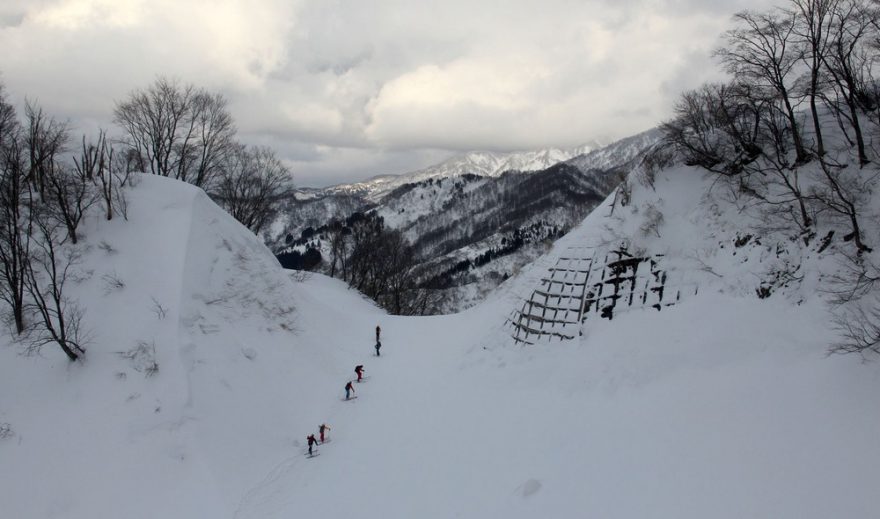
616 153
480 163
236 382
721 406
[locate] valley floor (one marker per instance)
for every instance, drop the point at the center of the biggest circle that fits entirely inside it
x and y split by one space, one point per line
687 412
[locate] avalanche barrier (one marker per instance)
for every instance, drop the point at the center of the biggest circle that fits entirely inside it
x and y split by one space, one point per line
591 281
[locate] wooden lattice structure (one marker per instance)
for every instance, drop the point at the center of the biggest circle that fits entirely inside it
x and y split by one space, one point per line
587 281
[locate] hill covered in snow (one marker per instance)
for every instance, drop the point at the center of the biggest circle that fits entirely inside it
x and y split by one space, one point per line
197 371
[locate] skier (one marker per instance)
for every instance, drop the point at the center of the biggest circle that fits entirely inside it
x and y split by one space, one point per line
378 345
312 441
321 429
378 330
348 389
359 369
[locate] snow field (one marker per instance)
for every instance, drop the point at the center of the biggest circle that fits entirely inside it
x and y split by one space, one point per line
681 413
723 406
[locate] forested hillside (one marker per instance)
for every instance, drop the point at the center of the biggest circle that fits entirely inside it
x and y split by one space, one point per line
467 232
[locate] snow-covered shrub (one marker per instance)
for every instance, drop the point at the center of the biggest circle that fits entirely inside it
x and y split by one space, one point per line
653 219
112 283
859 328
142 358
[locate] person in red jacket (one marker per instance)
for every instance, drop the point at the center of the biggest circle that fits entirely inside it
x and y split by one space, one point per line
312 441
321 429
348 390
359 369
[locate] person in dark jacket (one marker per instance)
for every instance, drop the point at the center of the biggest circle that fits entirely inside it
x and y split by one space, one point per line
378 345
312 441
359 369
348 390
378 331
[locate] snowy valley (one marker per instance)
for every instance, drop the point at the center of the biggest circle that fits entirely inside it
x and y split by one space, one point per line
681 324
472 221
722 405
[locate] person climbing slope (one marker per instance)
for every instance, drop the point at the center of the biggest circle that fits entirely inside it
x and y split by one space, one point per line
348 389
322 429
359 369
312 441
378 330
378 345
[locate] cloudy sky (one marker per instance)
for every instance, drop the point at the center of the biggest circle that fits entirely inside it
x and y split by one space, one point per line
347 89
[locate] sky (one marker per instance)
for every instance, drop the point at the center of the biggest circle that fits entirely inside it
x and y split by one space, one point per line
347 89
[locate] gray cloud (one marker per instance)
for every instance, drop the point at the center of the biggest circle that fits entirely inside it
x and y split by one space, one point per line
346 89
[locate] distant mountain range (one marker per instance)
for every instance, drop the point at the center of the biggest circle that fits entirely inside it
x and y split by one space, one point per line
473 219
480 163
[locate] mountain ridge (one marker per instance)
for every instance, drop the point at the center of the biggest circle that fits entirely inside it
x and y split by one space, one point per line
480 163
469 231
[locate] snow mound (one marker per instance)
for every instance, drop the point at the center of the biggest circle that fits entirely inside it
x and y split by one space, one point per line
194 352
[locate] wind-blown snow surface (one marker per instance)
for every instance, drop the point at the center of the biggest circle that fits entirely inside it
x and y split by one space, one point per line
722 406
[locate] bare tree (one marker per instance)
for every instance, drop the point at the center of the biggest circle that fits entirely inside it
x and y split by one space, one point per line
252 186
69 196
383 267
14 216
717 127
366 231
841 194
98 162
48 270
848 62
813 26
338 237
398 277
214 138
857 312
779 186
177 131
694 131
45 139
95 163
761 51
153 121
859 330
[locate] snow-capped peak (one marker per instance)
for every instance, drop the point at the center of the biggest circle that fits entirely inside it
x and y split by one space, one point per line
481 163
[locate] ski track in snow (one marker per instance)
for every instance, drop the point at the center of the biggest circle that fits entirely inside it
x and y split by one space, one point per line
261 492
398 368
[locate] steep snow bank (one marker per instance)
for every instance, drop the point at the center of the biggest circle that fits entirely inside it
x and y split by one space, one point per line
235 385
